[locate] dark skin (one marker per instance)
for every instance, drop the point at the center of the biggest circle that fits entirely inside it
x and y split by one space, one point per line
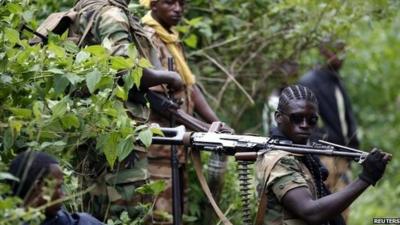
50 185
153 77
169 13
299 201
332 56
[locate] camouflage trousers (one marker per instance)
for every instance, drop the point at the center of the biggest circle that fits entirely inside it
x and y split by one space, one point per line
114 190
339 176
159 167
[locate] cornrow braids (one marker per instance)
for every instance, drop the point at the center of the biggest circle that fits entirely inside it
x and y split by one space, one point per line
314 165
295 92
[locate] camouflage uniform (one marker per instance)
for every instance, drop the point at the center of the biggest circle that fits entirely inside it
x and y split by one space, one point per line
288 173
115 188
159 156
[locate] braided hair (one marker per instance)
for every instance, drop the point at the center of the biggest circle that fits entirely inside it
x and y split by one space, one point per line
295 92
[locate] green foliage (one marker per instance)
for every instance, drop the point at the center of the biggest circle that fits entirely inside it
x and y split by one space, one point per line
372 68
56 97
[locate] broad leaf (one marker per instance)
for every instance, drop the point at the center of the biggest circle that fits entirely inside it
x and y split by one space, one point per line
145 137
121 93
92 79
70 121
119 63
110 148
124 148
21 112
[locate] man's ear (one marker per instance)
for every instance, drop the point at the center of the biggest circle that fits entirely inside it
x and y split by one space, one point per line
278 117
153 5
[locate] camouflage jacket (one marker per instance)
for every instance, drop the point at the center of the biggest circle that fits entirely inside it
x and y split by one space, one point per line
288 173
184 96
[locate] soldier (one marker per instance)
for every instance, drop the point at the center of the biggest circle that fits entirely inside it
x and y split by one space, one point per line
109 21
338 123
160 24
290 185
39 176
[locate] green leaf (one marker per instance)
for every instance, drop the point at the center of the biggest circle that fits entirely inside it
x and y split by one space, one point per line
153 188
60 83
92 79
21 112
124 148
14 8
82 56
37 109
70 46
70 121
7 176
57 50
119 63
11 35
8 139
191 41
132 51
15 126
96 50
73 78
121 93
59 109
195 21
110 148
144 63
56 71
157 131
145 137
136 75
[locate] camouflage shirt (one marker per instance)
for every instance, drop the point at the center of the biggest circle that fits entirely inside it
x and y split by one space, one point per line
108 23
288 173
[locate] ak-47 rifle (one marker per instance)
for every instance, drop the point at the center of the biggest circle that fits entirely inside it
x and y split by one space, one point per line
248 148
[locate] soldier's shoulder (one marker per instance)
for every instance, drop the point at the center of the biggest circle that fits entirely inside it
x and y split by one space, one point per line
152 35
115 14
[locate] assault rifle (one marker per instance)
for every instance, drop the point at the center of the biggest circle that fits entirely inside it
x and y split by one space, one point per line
247 147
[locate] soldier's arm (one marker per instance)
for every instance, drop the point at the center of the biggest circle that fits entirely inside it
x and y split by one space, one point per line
202 107
299 201
113 26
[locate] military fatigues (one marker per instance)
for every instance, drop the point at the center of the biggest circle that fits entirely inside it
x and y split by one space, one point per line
108 22
159 156
288 173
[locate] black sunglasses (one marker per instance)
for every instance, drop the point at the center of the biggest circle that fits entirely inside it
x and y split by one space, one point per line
298 118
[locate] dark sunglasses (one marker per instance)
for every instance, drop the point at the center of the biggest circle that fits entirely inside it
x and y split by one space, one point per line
298 118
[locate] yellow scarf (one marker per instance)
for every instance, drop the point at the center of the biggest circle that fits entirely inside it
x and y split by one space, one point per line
172 42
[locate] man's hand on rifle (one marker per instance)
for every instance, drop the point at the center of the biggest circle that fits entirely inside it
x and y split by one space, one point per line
226 129
174 81
153 77
374 166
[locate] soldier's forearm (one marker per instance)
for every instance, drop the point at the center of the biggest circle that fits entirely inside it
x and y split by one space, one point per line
202 107
152 78
300 202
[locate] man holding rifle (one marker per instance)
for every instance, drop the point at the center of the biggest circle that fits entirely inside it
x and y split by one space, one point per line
160 24
291 185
